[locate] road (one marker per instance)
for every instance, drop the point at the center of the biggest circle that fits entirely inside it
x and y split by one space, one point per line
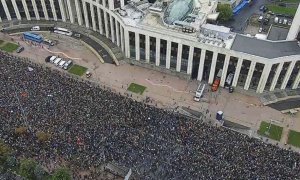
240 20
101 50
286 104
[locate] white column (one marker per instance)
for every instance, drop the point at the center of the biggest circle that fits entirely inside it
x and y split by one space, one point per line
263 78
237 72
93 17
111 5
53 10
45 9
16 9
147 48
201 65
26 10
100 20
85 13
122 3
6 9
117 32
62 10
224 70
70 10
157 51
288 75
137 46
213 68
179 57
297 81
168 55
122 38
250 75
295 27
190 60
36 12
275 79
78 12
112 31
106 24
126 43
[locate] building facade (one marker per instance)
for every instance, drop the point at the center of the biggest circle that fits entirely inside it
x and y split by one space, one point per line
136 27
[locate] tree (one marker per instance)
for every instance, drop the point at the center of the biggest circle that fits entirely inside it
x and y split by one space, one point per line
39 172
62 174
4 152
225 11
21 131
43 137
27 167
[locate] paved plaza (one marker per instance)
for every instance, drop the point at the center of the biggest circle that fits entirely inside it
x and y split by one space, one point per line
164 90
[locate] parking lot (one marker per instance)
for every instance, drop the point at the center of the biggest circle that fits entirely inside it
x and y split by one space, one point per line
246 21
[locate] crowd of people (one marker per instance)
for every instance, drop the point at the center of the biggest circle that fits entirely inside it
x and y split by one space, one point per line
91 126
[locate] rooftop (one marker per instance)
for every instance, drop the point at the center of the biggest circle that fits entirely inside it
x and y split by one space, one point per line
263 48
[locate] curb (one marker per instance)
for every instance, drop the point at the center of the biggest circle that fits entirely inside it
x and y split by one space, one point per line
93 50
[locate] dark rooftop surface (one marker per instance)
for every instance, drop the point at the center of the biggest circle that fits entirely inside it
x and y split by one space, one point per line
278 33
267 49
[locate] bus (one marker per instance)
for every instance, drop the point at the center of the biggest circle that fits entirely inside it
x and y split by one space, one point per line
33 37
63 31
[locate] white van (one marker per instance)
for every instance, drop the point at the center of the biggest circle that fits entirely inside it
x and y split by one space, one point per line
35 28
52 59
56 62
61 63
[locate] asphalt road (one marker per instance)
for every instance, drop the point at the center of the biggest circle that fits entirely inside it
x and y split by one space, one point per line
101 51
286 104
240 20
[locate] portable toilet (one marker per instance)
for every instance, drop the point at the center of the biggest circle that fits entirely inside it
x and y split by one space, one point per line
219 115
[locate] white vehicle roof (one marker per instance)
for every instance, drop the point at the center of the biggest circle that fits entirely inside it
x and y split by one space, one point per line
52 58
62 62
57 60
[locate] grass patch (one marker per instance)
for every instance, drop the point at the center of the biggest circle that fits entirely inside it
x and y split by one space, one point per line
282 10
136 88
274 132
1 41
294 138
291 1
77 70
9 47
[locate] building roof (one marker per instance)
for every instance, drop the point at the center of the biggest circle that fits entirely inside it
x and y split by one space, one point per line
178 10
263 48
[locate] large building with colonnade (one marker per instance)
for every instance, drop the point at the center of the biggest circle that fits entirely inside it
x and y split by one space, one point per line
176 36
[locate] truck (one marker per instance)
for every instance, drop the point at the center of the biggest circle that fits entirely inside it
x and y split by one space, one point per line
217 81
199 92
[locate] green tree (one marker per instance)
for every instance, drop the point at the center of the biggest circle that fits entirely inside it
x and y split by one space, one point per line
5 151
225 11
27 167
39 172
62 174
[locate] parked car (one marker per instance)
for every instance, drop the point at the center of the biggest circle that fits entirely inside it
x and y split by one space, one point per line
290 22
52 59
284 21
67 65
20 49
280 21
263 8
276 20
260 29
